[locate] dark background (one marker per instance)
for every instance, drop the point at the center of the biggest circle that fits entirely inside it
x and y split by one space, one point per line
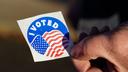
15 55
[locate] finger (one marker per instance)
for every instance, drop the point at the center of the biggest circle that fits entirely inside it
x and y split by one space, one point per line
94 69
81 65
78 50
92 48
85 66
97 46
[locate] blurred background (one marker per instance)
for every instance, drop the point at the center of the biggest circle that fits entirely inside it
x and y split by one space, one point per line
80 16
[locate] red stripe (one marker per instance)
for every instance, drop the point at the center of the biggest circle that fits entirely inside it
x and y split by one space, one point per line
49 51
58 47
55 43
51 36
54 39
58 52
45 34
52 53
50 33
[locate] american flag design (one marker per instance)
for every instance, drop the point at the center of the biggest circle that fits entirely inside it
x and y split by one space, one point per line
39 44
51 44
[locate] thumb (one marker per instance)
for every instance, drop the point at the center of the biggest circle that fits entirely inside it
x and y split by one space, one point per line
81 65
91 48
84 66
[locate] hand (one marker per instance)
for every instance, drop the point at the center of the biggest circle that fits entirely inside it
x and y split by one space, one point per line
112 46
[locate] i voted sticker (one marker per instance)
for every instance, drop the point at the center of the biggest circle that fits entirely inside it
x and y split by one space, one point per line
47 36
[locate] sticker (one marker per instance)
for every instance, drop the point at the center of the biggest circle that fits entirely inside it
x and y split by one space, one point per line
47 36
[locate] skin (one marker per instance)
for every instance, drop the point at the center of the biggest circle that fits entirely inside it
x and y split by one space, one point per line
112 46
